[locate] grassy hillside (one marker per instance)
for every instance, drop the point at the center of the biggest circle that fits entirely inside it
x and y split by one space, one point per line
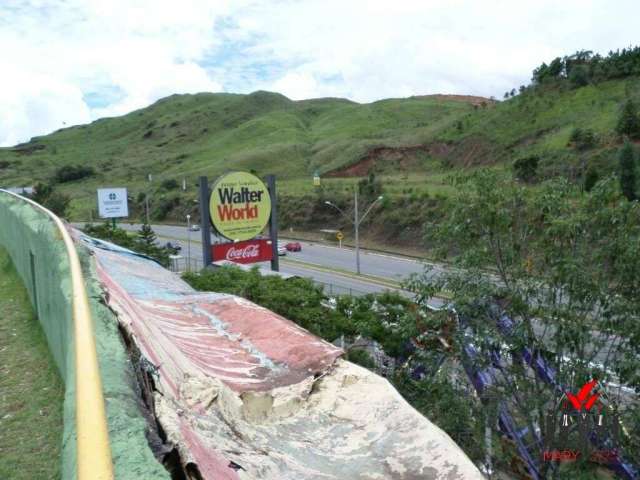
412 144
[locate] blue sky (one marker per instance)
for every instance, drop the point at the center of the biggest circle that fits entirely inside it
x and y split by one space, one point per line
66 62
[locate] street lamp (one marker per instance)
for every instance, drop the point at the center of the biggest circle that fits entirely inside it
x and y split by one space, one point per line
188 243
356 222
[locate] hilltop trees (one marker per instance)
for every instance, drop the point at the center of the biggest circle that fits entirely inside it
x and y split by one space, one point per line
583 67
628 171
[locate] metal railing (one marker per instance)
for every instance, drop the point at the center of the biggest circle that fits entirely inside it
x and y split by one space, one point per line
182 265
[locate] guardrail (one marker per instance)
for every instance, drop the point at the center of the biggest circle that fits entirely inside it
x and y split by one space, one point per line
93 450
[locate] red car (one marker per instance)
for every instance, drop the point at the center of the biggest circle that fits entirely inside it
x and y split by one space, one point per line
293 246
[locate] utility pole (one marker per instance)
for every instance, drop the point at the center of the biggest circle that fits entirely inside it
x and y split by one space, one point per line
357 220
356 223
205 221
273 222
146 200
188 243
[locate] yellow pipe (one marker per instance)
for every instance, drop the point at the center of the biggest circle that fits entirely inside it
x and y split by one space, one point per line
93 450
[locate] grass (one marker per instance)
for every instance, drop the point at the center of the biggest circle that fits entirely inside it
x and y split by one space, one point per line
31 391
185 136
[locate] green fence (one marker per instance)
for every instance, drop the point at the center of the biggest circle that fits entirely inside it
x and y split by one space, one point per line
39 254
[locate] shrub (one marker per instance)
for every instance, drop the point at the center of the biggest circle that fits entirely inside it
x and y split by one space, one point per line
583 139
590 178
525 168
169 184
70 173
46 196
629 121
627 159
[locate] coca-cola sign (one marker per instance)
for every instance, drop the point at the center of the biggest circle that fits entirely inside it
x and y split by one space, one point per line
250 251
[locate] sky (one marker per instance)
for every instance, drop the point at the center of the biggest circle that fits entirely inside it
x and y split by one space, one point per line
68 62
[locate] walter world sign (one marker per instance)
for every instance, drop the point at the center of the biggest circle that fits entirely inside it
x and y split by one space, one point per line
240 206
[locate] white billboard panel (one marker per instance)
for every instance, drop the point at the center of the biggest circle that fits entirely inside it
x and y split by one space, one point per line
112 203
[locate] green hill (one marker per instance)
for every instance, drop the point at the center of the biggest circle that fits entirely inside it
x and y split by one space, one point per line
412 144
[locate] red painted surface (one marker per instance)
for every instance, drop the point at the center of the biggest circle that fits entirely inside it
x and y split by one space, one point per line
249 251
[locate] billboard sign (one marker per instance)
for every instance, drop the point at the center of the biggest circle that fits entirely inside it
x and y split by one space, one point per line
240 206
250 251
112 203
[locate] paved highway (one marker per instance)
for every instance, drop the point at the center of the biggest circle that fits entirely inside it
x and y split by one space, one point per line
386 267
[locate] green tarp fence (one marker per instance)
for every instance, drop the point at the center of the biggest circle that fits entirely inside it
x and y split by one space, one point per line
40 257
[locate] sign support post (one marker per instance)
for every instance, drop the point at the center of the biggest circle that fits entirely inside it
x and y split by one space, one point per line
205 221
273 222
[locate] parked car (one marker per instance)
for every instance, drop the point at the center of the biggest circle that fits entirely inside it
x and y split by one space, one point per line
173 247
195 227
293 247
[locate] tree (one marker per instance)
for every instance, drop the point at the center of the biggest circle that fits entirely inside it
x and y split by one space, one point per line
564 267
146 236
627 162
48 197
579 76
629 121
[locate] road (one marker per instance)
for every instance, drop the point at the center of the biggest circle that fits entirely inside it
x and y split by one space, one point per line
319 259
317 262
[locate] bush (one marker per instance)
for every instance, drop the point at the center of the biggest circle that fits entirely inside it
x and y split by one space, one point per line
70 173
164 206
627 159
629 121
45 195
526 168
583 139
143 243
590 178
169 184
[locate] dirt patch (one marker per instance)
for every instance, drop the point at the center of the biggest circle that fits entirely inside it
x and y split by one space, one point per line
471 99
469 152
379 157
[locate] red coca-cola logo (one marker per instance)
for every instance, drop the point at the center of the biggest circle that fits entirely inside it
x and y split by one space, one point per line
249 251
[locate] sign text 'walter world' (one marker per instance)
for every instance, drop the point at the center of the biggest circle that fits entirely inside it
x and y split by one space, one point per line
240 206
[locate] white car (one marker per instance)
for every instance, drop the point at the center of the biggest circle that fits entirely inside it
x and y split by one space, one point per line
195 227
281 250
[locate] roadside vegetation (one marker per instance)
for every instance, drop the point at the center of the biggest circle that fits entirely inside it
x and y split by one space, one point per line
31 391
144 241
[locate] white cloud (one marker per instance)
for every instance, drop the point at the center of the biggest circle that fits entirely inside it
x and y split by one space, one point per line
125 54
57 53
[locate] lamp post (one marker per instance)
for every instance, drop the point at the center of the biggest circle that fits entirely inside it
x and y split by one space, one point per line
146 199
188 243
357 220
